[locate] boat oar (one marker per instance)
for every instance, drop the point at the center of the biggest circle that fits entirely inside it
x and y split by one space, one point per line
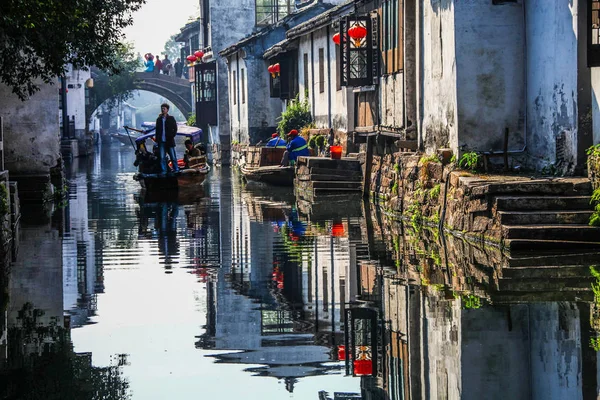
129 136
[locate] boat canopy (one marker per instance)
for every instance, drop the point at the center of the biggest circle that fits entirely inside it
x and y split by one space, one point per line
152 124
191 132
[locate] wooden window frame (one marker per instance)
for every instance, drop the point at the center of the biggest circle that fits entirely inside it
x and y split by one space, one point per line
306 71
593 33
321 70
391 17
243 86
234 86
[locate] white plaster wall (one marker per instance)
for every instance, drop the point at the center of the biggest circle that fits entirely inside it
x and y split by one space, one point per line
76 97
438 115
490 67
222 34
239 124
321 106
265 110
551 29
595 77
31 130
332 108
304 47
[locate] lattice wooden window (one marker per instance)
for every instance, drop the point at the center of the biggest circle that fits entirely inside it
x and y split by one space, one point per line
360 59
594 33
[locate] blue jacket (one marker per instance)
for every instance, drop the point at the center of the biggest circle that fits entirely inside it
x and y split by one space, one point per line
297 147
149 66
277 142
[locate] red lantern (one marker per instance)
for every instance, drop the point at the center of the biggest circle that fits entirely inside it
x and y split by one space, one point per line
336 39
276 69
271 71
341 352
357 33
191 58
199 54
363 367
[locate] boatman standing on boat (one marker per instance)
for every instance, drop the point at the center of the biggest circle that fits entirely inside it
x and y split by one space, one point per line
296 147
276 141
166 129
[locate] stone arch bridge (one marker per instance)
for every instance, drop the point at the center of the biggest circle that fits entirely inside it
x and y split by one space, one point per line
176 90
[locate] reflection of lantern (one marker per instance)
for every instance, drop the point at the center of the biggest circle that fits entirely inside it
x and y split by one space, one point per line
191 58
336 39
341 352
357 33
276 69
360 349
337 229
363 367
199 54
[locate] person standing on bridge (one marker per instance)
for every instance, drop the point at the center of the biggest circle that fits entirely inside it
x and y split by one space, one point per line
165 65
166 129
149 63
178 68
158 65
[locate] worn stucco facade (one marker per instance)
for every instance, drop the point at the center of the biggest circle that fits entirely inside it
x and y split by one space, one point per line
31 131
222 33
486 68
437 79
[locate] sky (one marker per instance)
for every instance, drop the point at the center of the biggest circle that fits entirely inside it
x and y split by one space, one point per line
156 21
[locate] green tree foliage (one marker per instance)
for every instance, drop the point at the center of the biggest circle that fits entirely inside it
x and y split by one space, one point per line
114 88
40 37
172 49
296 116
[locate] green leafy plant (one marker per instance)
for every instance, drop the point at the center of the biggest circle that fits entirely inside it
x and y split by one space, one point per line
296 116
314 140
434 193
469 161
191 121
595 201
471 302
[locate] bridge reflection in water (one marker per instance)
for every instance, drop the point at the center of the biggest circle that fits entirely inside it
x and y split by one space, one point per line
172 297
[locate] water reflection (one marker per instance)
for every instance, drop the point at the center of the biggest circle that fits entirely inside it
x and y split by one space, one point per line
328 300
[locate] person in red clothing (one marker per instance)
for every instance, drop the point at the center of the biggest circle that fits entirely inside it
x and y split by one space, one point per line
158 65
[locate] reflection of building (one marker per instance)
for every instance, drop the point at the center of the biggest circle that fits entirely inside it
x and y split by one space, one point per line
270 303
436 341
35 312
83 276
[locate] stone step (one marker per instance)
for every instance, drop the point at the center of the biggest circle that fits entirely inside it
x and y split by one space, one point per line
543 284
345 163
329 177
541 203
552 257
579 217
507 297
336 185
547 272
573 186
576 233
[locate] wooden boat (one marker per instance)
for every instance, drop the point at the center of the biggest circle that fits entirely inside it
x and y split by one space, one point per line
262 165
187 178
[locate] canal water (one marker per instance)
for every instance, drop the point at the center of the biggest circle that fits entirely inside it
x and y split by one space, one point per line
240 291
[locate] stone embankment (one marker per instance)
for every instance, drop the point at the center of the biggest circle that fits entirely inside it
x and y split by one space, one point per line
513 212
